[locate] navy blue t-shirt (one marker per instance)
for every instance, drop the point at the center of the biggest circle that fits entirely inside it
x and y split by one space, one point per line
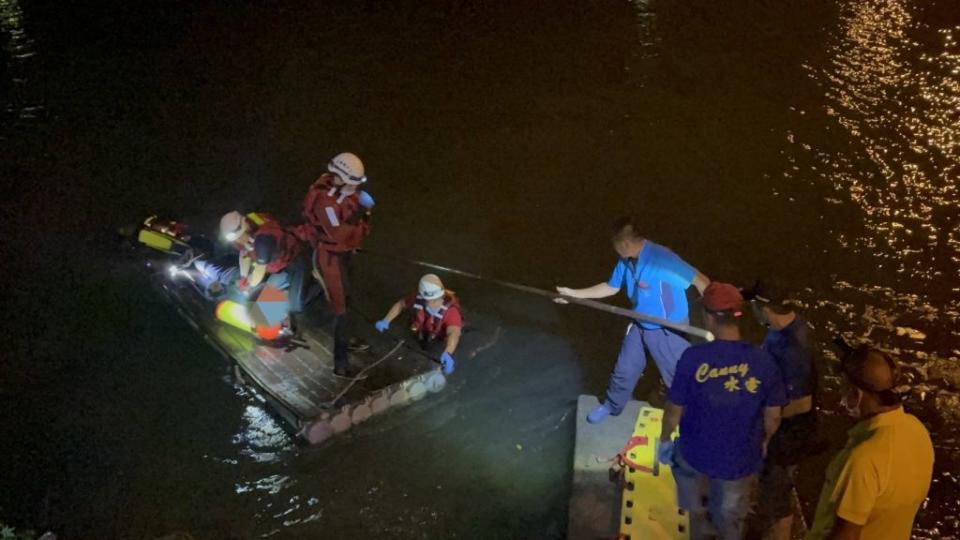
791 350
723 387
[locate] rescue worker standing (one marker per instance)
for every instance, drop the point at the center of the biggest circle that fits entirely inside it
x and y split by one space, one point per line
337 221
788 342
876 484
726 398
436 316
656 280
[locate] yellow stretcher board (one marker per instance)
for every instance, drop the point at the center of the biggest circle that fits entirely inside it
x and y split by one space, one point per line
648 509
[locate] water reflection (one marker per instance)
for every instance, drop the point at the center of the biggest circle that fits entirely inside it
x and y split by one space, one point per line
897 168
18 56
646 35
262 439
899 104
886 149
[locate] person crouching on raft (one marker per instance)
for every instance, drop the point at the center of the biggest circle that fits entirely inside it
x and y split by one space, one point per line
219 270
436 316
655 279
279 262
239 230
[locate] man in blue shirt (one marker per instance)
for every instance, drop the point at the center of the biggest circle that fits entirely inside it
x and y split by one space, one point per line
726 398
788 342
656 281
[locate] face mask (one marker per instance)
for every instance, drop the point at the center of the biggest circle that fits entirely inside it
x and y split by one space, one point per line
853 409
434 311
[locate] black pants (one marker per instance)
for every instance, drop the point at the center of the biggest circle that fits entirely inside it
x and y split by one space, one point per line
297 274
338 292
341 359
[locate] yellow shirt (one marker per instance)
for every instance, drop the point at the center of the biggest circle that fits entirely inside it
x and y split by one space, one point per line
879 479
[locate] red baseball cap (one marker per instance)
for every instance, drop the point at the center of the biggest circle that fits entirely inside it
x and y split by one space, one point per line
722 297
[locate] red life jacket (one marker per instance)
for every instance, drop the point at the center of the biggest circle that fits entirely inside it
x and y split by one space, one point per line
427 325
288 247
336 218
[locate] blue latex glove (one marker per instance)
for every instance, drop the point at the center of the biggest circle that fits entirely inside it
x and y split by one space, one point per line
665 454
382 325
366 200
447 363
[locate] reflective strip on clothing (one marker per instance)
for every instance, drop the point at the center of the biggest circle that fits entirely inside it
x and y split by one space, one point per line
332 216
256 218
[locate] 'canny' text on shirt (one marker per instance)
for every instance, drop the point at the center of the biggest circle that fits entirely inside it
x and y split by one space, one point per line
705 372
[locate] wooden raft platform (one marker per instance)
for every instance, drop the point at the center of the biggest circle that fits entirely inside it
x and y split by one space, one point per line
298 381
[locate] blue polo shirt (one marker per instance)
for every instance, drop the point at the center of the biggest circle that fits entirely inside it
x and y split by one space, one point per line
723 387
656 283
791 350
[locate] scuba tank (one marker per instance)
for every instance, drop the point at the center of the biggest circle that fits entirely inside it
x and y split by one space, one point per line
166 236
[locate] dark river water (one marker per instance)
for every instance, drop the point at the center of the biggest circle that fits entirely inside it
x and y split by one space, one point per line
813 143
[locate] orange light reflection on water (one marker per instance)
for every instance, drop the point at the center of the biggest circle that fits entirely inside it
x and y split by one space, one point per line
902 106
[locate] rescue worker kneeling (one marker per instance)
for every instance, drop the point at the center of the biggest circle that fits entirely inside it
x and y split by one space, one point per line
219 269
436 316
238 231
278 263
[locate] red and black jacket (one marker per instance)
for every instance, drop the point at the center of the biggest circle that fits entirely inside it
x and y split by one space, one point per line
337 222
429 326
288 246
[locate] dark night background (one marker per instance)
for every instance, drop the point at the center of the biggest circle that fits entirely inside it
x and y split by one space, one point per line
811 143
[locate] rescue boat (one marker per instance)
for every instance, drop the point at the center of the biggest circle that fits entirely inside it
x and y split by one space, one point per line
293 376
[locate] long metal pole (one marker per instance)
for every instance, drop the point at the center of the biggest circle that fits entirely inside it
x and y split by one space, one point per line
630 314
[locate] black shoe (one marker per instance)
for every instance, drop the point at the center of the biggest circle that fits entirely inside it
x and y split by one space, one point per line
349 372
357 345
293 323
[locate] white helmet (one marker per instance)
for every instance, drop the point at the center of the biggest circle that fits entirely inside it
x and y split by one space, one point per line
430 287
348 167
232 225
